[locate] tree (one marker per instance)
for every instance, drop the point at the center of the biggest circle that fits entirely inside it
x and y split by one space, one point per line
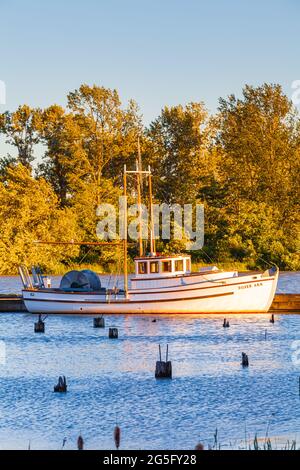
108 133
20 130
257 137
256 194
62 138
29 211
179 152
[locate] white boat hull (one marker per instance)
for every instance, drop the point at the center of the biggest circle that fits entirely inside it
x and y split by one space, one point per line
242 294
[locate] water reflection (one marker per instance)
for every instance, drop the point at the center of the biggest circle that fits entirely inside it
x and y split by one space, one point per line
109 379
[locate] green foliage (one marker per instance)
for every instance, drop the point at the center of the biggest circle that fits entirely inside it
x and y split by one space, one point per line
254 197
178 149
243 164
21 130
29 211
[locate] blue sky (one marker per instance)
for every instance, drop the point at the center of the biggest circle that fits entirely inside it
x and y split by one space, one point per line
156 52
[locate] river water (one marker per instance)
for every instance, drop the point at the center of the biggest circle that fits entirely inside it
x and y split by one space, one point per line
113 381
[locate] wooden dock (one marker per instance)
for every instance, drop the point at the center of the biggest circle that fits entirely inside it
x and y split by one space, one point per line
286 303
11 303
283 303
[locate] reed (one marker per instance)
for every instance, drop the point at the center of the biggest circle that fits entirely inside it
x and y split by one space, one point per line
256 443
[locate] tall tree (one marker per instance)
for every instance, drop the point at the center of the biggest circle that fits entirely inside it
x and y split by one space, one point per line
62 137
30 211
179 151
257 136
258 141
20 129
108 133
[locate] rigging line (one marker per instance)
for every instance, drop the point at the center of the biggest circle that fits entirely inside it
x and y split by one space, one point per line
207 255
267 262
118 271
109 279
209 258
215 280
85 255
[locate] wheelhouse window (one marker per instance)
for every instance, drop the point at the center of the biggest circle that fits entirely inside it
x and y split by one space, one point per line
179 265
167 266
154 267
143 268
187 264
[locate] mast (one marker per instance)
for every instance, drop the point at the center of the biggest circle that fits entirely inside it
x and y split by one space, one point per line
140 162
125 234
139 186
140 173
152 238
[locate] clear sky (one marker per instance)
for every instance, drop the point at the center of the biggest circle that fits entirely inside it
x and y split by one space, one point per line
156 52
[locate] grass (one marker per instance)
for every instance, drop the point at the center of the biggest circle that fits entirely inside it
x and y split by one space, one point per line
256 443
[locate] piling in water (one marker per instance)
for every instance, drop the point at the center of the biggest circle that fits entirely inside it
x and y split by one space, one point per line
99 322
117 436
226 323
272 319
61 387
39 326
163 369
113 333
80 442
245 360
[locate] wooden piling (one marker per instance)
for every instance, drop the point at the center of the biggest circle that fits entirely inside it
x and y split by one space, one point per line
80 442
61 386
39 326
113 333
163 369
245 360
272 319
99 322
226 323
117 436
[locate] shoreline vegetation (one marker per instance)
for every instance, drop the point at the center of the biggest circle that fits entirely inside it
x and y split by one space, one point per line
242 164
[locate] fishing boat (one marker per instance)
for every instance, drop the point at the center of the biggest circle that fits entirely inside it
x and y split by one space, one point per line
161 284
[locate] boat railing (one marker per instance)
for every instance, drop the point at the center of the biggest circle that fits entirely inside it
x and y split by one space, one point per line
25 276
38 278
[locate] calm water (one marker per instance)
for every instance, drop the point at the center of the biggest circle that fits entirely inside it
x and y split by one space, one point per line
113 380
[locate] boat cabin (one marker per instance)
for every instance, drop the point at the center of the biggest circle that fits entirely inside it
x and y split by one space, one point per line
155 269
148 266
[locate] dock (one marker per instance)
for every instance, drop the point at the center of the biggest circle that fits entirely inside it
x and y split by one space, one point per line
11 303
283 303
286 303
